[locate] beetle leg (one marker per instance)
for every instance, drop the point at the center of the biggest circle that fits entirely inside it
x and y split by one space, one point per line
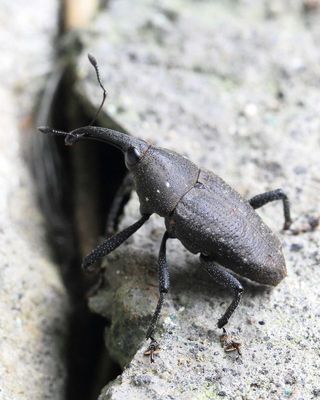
226 280
111 244
229 344
122 194
164 284
153 349
278 194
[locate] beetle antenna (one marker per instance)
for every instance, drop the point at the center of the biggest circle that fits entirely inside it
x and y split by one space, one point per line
70 137
94 63
50 131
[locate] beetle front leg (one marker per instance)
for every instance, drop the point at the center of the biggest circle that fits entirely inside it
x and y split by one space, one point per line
226 280
278 194
111 244
164 284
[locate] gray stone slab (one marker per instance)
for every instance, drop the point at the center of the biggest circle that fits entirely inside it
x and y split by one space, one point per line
233 86
33 301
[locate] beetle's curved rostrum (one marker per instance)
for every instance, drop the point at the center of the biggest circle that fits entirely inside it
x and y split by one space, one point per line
121 141
201 210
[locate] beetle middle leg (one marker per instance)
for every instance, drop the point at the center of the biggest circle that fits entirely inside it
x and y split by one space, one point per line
226 280
278 194
164 284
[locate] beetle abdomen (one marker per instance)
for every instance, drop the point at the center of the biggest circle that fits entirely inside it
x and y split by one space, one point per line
213 219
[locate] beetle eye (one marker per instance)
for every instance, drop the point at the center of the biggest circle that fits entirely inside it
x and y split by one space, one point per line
132 156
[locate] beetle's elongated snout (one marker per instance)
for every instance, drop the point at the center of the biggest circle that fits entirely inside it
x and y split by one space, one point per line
120 140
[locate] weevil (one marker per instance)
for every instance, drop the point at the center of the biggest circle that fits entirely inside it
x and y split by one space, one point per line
200 209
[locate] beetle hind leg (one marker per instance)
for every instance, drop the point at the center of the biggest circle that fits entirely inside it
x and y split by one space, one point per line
226 280
164 284
278 194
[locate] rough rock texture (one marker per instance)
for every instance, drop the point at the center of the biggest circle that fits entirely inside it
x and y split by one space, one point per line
235 87
33 302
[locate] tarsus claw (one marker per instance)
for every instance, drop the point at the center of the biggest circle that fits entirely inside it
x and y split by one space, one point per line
153 348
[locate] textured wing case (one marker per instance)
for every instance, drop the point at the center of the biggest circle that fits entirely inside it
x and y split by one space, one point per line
213 219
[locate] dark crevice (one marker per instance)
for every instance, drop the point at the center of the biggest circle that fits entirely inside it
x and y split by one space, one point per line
76 189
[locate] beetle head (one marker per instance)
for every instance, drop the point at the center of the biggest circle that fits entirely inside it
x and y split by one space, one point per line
161 176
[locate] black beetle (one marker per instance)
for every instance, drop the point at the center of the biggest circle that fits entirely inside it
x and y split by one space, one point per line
200 209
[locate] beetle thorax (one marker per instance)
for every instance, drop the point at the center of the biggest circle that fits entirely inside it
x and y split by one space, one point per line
161 178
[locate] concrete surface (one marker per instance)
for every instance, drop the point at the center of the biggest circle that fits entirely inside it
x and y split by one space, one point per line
33 302
234 86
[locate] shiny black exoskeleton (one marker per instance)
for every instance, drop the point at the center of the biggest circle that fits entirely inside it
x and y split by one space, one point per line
200 209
